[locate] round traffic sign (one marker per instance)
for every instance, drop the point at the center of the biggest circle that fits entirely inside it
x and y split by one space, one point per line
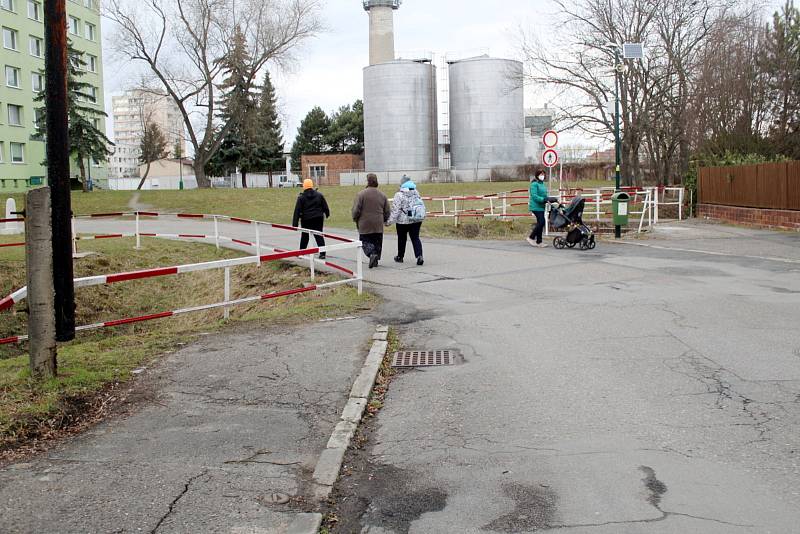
550 139
550 158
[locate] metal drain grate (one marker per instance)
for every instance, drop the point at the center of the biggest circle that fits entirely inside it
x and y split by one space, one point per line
423 358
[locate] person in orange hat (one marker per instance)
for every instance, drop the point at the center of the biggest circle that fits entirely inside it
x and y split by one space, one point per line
310 212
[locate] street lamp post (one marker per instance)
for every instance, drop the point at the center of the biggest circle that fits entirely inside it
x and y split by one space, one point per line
617 142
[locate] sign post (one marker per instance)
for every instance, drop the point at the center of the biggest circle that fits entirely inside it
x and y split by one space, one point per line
550 156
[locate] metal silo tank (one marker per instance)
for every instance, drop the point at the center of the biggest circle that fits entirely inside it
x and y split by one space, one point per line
487 115
400 120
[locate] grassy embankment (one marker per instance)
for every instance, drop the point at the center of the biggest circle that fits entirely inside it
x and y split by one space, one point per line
277 205
95 363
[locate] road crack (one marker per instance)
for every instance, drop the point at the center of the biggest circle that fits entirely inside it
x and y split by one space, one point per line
176 499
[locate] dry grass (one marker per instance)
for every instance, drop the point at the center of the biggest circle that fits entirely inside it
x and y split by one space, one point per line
92 366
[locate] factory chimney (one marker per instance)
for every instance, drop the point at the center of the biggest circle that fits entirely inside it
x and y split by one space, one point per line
381 29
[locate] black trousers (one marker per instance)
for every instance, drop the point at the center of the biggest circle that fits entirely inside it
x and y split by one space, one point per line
312 224
372 244
405 230
538 228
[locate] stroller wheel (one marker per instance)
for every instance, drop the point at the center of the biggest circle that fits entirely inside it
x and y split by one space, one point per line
591 244
584 244
559 242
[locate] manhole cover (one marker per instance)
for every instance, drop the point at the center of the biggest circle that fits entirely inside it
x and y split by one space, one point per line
423 358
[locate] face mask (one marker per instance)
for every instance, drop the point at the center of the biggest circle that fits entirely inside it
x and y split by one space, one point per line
540 178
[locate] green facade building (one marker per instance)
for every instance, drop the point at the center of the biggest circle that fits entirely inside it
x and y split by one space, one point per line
22 77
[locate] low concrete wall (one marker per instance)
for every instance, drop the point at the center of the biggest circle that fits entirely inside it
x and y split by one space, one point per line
766 218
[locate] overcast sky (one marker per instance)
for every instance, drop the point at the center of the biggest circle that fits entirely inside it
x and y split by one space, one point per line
329 71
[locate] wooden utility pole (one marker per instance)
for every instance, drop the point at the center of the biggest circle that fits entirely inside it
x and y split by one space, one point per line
39 264
55 35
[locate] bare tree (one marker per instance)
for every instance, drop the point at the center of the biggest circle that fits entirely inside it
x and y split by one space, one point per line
656 94
184 42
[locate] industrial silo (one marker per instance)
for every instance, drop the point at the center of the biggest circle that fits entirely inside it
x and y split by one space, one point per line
400 121
487 116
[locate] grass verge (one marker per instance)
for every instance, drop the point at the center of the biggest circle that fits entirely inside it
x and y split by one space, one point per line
277 205
92 367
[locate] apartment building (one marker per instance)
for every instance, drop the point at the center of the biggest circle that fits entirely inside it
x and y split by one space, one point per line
131 112
22 78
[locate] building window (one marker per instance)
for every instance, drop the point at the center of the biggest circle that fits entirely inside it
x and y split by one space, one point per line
91 63
10 38
17 152
12 77
73 25
36 46
14 115
8 5
37 82
38 116
34 10
89 4
2 151
91 94
89 31
317 171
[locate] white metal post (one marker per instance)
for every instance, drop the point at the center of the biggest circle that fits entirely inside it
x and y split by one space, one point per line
138 235
258 242
655 205
598 198
313 270
444 207
680 204
216 231
547 220
505 205
74 237
359 270
491 206
227 313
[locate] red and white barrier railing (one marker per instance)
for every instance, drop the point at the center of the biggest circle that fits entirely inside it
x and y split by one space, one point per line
275 254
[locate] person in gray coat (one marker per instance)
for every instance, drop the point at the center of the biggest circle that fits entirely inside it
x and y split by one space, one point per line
370 212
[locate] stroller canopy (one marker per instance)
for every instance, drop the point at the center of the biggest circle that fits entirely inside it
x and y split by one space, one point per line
575 209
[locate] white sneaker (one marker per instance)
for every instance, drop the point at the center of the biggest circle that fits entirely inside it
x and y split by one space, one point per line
542 245
530 241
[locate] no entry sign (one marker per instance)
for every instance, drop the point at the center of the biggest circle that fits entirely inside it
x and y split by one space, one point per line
550 158
550 139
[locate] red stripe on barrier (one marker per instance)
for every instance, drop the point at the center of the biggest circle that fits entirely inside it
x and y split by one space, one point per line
192 236
147 213
107 236
12 245
6 303
138 319
190 216
11 220
289 292
338 238
249 244
149 235
284 227
8 340
292 254
97 215
138 275
237 219
339 268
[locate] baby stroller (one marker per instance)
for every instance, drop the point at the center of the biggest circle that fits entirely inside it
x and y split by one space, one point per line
568 219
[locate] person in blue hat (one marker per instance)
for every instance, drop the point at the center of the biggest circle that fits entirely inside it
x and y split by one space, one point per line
408 212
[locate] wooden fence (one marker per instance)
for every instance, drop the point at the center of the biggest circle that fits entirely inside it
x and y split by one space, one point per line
768 186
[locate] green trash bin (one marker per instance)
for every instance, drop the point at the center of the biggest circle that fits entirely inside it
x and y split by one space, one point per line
619 203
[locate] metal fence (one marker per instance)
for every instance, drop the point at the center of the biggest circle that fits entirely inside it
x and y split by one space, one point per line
767 186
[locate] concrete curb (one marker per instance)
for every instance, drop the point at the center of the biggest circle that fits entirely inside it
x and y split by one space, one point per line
305 524
330 461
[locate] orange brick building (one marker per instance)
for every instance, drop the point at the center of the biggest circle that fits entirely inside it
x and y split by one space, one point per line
325 169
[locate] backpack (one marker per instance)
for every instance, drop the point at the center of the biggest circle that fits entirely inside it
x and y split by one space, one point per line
416 211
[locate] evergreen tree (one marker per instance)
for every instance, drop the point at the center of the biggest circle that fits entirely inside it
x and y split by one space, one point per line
312 135
152 147
346 133
268 154
85 138
782 66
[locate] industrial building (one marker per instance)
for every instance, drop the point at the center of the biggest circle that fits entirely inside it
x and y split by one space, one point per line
484 134
22 79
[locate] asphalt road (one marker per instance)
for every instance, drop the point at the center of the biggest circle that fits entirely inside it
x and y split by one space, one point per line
644 387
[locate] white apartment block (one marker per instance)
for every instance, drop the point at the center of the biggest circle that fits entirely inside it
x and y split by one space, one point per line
132 111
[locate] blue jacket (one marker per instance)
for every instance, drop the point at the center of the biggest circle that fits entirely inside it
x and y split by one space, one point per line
538 196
